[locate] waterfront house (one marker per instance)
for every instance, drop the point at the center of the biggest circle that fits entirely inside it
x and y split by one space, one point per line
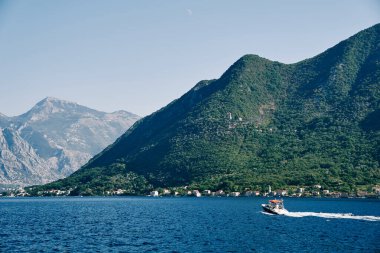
119 192
165 191
282 192
154 193
219 193
326 192
207 192
235 194
361 194
196 193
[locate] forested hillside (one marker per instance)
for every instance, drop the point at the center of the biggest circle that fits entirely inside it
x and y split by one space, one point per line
261 123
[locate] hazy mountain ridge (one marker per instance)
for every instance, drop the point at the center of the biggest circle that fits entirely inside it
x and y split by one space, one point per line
261 123
56 137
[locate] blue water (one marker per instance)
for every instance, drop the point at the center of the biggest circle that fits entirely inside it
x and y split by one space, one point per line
143 224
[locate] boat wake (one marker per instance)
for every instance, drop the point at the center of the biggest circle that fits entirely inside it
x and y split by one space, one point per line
333 216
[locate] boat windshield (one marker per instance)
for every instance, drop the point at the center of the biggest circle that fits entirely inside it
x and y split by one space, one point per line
275 203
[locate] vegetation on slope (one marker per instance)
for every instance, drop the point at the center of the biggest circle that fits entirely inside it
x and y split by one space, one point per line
262 123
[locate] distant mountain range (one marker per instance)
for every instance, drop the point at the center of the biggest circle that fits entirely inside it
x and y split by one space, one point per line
261 123
54 139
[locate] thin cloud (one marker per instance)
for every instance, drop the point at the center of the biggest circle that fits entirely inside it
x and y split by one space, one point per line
189 12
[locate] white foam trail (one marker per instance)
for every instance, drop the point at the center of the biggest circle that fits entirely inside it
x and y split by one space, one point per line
333 216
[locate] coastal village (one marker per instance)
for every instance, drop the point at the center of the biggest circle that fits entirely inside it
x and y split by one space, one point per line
313 191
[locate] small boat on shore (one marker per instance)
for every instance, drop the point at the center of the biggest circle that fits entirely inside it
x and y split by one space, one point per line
275 206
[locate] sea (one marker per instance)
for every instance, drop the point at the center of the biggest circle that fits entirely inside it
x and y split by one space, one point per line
187 224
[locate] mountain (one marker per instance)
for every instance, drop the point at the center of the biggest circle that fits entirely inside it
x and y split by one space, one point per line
54 139
261 123
19 162
4 120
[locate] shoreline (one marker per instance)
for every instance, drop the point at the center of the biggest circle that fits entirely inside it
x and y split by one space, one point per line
172 196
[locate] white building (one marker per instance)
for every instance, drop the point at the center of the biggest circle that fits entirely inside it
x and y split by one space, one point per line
154 193
207 192
219 193
196 193
119 192
235 194
165 192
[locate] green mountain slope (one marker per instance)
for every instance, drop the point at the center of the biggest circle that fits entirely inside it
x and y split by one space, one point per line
260 123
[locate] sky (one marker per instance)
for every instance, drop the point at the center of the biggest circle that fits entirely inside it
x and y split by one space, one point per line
139 55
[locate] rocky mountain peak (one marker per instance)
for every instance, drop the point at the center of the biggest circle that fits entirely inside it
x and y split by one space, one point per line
60 135
49 106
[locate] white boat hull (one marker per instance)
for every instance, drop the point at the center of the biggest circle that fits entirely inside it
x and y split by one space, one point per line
278 211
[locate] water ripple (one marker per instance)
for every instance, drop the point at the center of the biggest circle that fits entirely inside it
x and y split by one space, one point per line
134 224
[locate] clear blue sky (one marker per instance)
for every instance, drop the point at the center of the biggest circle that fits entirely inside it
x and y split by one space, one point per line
140 55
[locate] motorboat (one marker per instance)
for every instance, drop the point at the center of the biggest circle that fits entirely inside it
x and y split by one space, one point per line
275 206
